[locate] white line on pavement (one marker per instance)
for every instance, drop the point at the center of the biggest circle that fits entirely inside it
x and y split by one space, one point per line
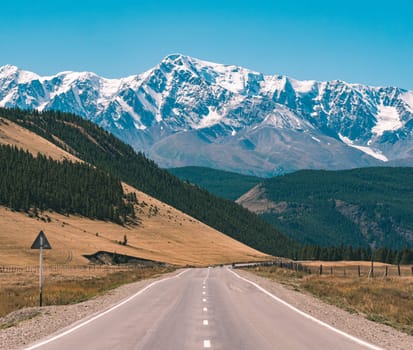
205 322
302 313
207 343
205 309
84 323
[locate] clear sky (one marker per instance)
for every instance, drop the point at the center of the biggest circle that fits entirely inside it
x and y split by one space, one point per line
369 42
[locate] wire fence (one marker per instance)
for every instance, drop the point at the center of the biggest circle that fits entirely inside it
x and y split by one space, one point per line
343 270
65 267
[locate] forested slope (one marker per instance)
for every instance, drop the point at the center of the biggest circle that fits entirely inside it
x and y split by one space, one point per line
96 146
223 184
351 207
30 183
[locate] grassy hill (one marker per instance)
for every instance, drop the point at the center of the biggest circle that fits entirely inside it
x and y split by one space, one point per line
221 183
330 208
88 142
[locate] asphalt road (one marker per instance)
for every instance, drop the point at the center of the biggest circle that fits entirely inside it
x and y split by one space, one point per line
199 309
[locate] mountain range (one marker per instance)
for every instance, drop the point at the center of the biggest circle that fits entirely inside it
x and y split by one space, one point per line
186 111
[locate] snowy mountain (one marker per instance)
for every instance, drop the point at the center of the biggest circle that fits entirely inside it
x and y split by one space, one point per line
186 111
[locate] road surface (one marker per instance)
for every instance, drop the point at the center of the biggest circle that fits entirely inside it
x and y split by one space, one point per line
198 309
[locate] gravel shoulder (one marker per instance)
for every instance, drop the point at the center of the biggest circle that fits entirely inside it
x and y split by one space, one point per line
353 324
32 324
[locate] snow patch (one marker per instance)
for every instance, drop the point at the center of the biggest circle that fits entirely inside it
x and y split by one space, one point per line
303 86
128 109
387 119
376 154
209 120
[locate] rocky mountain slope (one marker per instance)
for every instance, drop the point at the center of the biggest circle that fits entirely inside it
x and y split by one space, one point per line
187 111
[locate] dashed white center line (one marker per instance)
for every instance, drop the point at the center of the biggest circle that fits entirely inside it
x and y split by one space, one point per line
204 300
207 343
205 309
203 287
205 322
203 293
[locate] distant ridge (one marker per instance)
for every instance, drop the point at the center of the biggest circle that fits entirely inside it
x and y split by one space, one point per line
187 111
332 208
223 184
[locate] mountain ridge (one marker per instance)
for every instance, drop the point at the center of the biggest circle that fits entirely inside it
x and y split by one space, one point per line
187 111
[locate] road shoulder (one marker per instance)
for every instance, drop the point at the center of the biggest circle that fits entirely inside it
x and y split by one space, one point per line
354 324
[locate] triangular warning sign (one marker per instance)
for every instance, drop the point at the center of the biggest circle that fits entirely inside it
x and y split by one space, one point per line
41 241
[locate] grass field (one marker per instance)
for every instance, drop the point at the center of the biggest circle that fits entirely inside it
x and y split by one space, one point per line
20 290
385 300
162 233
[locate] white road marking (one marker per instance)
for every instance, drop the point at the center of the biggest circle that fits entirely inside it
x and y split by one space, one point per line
80 325
204 300
207 343
206 277
302 313
203 287
205 322
203 293
205 309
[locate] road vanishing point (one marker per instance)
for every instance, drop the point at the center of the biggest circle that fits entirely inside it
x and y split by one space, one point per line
210 308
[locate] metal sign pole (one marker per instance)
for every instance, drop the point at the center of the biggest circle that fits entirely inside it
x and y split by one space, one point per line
41 243
40 271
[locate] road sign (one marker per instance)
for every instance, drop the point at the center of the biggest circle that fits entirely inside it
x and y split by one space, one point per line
41 242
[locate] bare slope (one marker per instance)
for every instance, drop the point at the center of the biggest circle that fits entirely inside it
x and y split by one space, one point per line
163 233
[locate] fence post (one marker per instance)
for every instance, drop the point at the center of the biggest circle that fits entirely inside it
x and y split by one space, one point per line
321 270
412 270
331 270
358 270
385 273
398 269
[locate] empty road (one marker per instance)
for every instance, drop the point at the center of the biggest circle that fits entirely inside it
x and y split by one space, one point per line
198 309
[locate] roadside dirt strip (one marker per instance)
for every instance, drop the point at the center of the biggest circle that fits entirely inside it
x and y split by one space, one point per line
213 308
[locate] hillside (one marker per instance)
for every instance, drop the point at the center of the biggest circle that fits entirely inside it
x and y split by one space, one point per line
161 232
352 207
95 146
221 183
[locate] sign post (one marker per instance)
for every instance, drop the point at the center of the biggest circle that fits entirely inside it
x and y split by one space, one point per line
41 243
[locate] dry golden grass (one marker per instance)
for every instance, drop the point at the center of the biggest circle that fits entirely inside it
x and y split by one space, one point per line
65 287
13 134
385 300
167 236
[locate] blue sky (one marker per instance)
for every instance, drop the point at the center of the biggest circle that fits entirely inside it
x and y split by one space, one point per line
368 42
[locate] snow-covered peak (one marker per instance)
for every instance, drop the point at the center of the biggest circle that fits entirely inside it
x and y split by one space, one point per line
20 76
184 94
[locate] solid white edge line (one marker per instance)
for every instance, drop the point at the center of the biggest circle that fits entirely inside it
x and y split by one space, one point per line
84 323
302 313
